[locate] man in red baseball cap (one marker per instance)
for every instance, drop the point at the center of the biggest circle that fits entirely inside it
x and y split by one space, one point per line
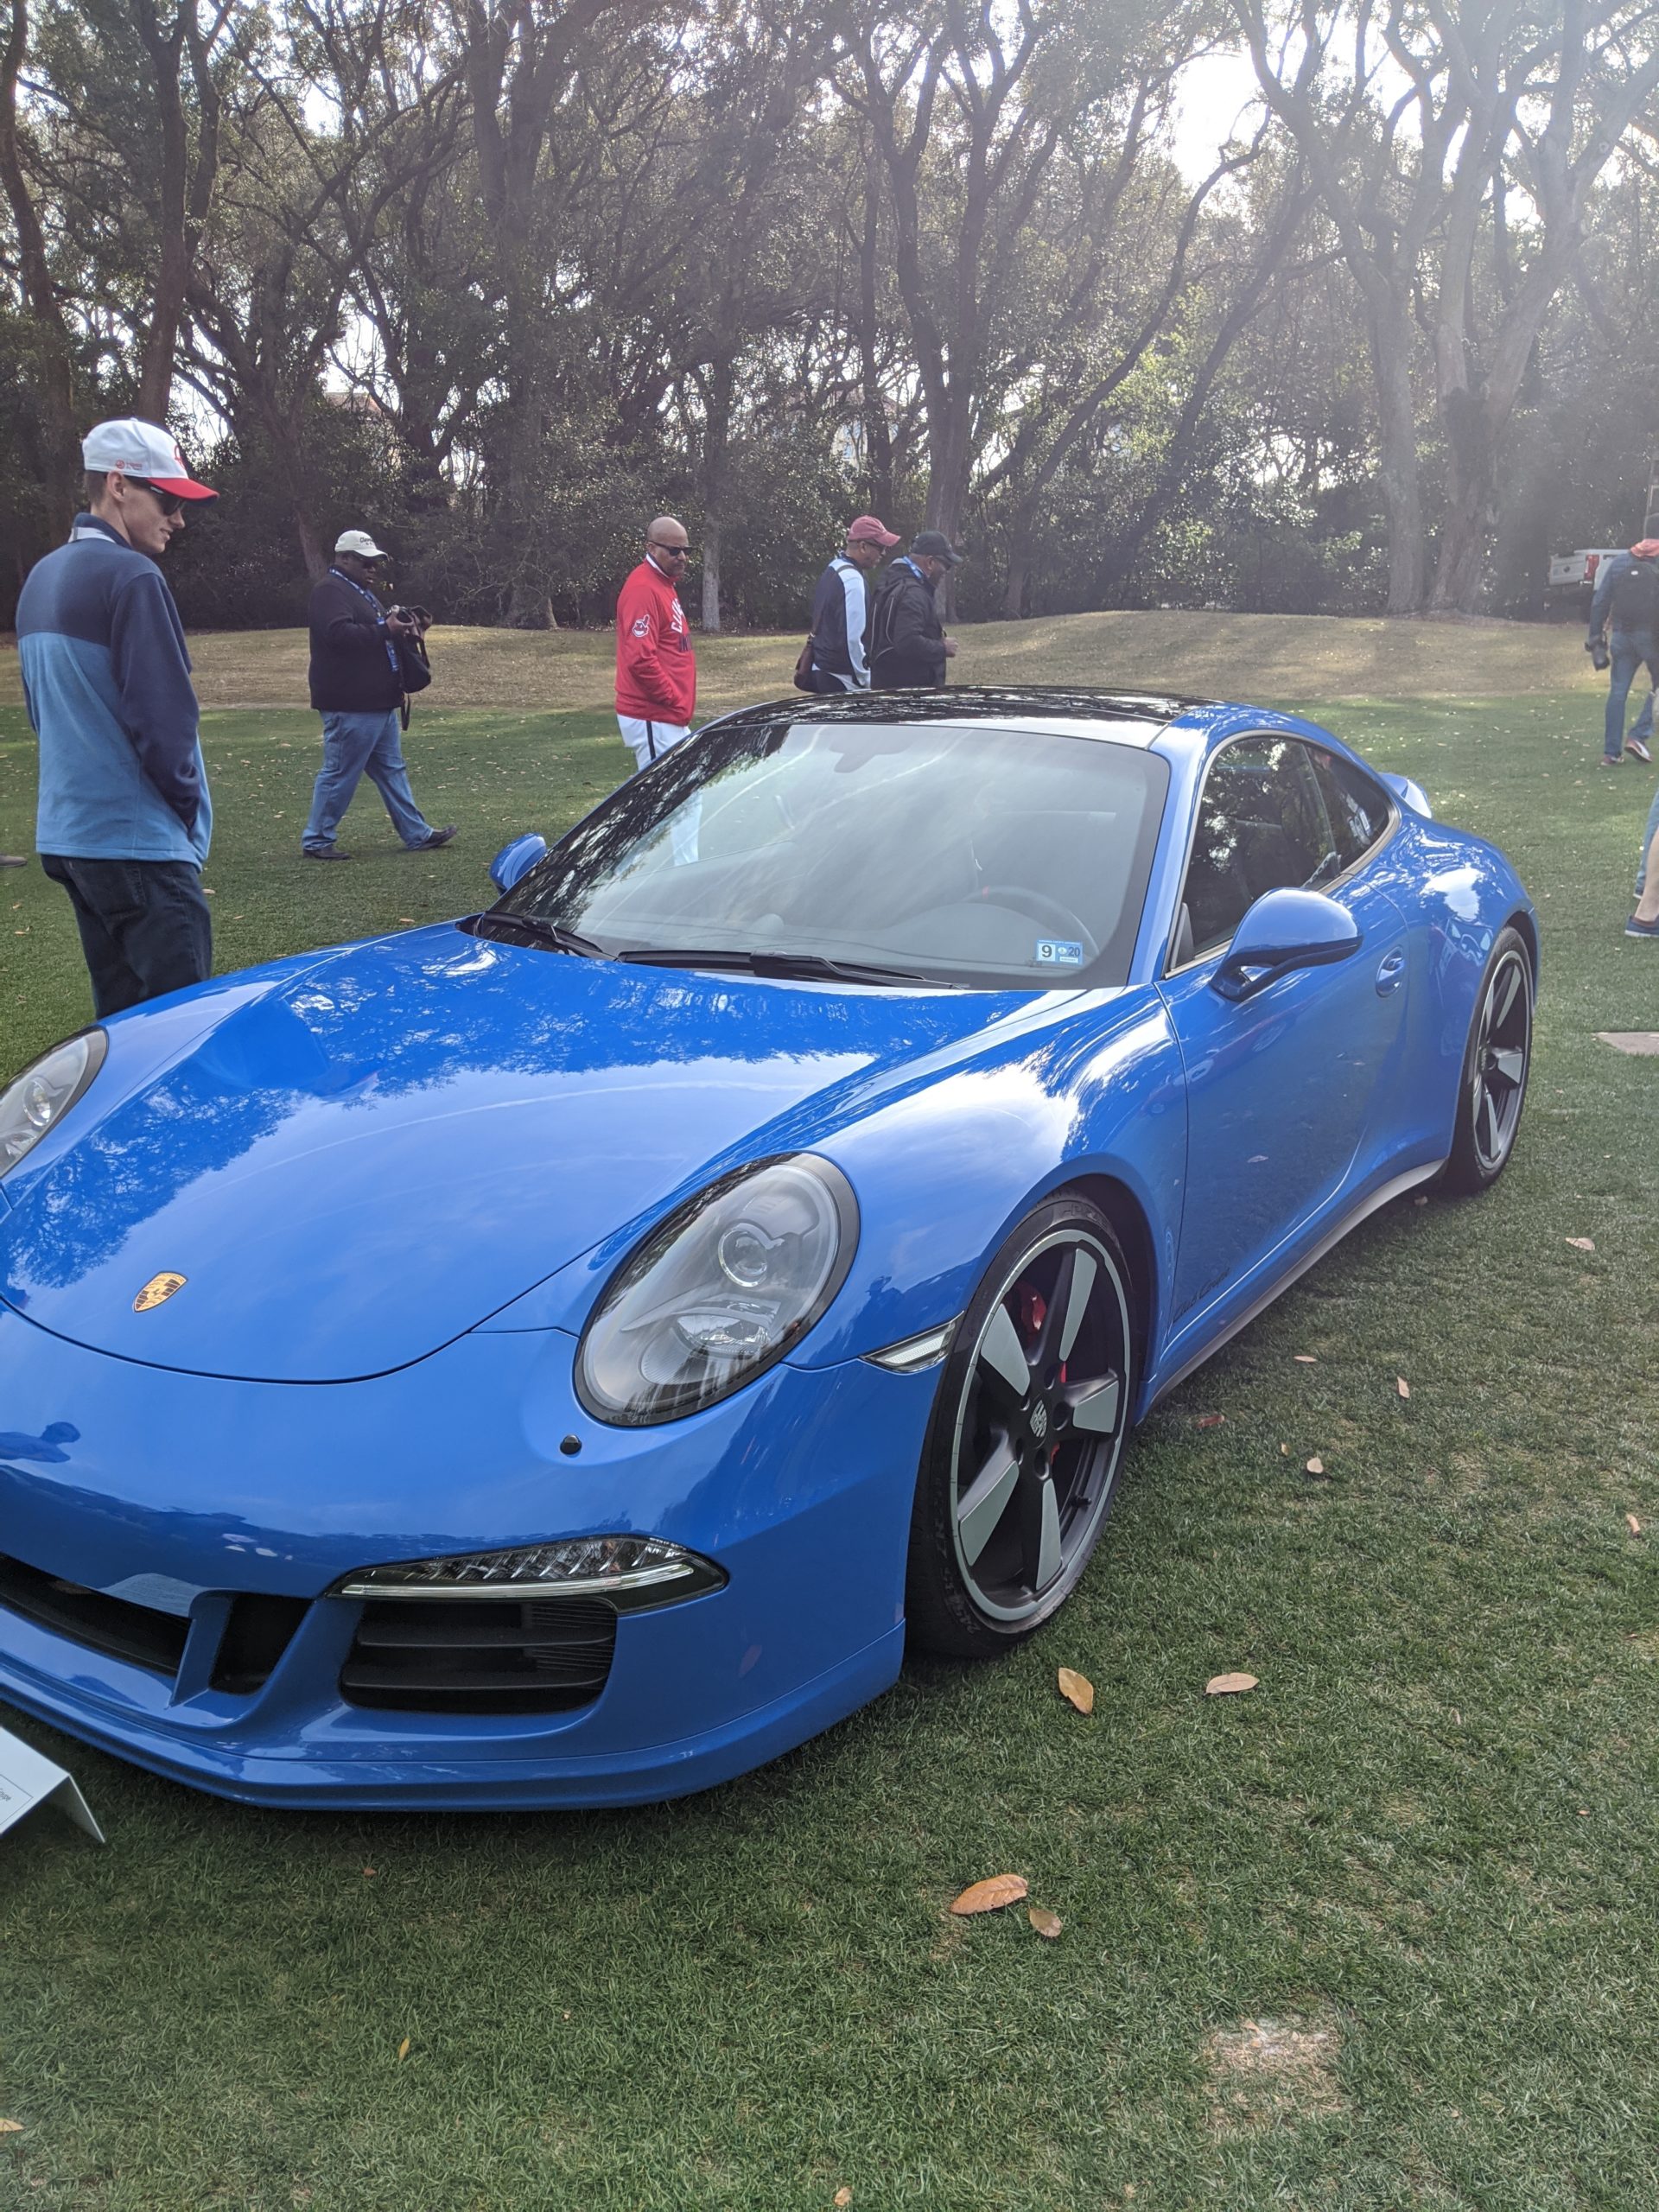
123 818
840 657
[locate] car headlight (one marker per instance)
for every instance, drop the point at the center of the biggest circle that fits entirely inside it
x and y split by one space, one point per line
719 1293
43 1094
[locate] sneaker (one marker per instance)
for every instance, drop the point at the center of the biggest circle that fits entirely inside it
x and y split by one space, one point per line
1637 751
438 837
1633 928
1611 760
322 852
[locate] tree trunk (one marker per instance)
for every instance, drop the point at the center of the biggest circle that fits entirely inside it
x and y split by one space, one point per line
710 575
1013 594
1471 504
1397 471
57 469
316 560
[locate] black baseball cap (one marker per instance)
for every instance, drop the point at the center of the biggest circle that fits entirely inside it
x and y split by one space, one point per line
936 546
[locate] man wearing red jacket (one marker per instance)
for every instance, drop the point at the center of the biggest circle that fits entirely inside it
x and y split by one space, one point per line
655 670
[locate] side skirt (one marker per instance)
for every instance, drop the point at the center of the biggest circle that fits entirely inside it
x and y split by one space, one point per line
1383 1195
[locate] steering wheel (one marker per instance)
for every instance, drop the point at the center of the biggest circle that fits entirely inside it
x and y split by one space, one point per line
1042 908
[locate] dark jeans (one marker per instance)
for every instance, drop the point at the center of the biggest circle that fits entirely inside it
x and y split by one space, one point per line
1631 649
144 926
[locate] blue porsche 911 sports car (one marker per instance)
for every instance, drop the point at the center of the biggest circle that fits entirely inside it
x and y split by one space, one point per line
558 1356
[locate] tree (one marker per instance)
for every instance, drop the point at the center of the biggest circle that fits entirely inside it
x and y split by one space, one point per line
1413 121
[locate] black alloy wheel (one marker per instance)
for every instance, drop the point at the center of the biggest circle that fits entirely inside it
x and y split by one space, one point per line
1495 1069
1027 1433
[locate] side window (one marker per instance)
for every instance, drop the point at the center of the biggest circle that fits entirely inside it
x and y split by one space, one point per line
1357 806
1262 825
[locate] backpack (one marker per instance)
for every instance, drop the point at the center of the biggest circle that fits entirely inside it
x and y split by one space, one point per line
1635 597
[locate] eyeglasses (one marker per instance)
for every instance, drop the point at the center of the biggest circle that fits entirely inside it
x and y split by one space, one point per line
670 552
172 503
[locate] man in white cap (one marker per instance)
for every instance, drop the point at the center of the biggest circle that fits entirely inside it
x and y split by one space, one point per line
123 817
365 660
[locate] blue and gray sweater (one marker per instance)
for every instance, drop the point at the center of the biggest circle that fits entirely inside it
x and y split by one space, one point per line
106 679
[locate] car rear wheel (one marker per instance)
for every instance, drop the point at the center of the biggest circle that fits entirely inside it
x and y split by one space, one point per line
1022 1454
1494 1068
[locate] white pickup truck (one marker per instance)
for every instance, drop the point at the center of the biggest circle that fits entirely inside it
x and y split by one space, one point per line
1576 573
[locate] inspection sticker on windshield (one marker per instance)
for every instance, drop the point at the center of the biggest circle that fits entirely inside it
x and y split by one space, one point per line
1057 952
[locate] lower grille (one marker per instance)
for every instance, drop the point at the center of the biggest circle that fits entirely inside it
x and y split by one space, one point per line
137 1633
256 1636
479 1654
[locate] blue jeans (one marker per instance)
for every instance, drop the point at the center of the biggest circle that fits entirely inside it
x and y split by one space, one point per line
355 745
1629 649
1647 836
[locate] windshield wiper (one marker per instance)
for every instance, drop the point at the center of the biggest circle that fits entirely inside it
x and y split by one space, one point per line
554 933
782 965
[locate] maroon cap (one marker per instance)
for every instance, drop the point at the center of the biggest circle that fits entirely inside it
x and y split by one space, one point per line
872 526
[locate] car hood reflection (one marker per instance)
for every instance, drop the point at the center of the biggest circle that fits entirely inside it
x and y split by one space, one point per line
360 1164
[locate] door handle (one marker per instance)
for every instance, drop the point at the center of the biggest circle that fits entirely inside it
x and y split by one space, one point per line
1390 973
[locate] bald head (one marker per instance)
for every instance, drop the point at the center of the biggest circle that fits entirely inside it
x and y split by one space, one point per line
667 544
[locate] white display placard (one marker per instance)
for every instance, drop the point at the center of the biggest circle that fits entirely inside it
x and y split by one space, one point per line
28 1780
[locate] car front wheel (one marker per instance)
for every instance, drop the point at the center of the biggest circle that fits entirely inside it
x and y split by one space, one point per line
1027 1433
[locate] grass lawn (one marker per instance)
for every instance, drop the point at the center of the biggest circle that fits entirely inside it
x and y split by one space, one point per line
1378 1936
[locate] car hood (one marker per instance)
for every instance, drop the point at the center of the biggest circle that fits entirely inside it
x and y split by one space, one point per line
357 1165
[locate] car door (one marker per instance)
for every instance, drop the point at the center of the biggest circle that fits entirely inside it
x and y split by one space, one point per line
1280 1085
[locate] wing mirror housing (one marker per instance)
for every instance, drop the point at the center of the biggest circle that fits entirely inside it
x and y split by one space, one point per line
1410 793
514 861
1283 930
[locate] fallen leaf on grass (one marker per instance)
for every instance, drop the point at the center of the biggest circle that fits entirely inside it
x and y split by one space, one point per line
1402 1386
1632 1524
11 2126
842 2197
403 2048
1048 1925
1581 1243
991 1895
1304 1359
1316 1466
1209 1420
406 918
1077 1689
1229 1685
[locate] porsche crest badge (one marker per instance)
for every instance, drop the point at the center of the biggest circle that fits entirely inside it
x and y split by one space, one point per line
157 1291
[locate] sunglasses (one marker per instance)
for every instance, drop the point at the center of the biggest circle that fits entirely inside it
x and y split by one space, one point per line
670 552
172 503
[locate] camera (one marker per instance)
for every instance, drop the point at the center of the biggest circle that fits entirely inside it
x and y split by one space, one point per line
1599 656
420 616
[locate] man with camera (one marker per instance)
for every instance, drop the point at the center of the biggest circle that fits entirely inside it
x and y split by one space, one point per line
365 661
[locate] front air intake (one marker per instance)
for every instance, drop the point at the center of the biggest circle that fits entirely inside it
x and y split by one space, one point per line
479 1654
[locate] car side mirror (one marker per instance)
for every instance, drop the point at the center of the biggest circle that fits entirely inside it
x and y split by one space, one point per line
514 861
1284 930
1411 793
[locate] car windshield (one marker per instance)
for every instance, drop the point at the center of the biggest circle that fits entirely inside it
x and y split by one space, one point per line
951 854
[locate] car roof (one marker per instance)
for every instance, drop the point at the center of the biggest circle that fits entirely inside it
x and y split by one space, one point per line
1072 710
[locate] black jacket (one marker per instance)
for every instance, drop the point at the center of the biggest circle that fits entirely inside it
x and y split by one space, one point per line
357 666
841 623
907 636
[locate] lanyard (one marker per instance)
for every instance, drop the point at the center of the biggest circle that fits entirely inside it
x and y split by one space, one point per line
363 592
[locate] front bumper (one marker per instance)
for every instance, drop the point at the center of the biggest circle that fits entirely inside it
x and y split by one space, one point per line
181 1491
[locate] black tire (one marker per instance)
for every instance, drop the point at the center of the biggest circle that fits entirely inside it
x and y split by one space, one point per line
1492 1088
1018 1472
